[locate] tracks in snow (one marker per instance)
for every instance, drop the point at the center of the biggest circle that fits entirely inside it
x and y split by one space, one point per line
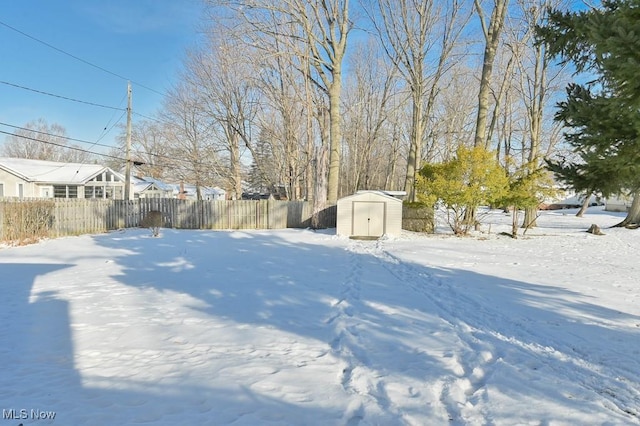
483 342
357 376
483 335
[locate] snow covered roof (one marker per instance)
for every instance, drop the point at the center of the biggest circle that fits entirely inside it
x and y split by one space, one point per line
142 183
382 194
204 190
53 172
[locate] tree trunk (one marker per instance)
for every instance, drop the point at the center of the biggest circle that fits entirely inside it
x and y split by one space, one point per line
530 216
585 204
320 187
492 38
416 145
335 136
633 216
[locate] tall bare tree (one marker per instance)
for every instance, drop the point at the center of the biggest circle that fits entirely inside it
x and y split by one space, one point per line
323 26
419 38
189 137
492 31
535 86
368 102
150 149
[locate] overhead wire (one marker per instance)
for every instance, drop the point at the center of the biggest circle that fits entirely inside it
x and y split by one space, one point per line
52 134
79 59
105 132
158 156
75 148
96 143
60 96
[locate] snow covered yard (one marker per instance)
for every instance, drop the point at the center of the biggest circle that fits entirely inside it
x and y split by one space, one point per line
302 327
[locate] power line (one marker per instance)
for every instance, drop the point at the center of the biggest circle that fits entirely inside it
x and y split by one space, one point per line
174 159
51 134
75 148
78 58
105 132
60 96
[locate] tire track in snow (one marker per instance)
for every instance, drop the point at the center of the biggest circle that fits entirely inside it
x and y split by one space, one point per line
481 339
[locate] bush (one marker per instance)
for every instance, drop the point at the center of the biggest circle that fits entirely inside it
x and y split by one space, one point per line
471 179
154 221
23 222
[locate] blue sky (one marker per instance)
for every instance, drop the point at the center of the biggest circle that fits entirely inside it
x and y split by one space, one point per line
143 41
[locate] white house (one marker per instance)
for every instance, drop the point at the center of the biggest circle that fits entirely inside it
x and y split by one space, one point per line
24 178
188 192
147 187
620 203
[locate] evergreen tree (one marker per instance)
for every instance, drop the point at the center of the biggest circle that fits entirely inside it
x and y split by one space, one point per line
601 115
262 175
469 180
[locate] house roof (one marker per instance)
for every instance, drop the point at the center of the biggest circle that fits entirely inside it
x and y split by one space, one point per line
51 171
142 183
204 190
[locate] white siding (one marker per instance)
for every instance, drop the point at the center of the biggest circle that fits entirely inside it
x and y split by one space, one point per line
369 213
618 204
11 182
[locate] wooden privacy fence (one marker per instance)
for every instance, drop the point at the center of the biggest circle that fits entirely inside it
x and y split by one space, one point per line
23 220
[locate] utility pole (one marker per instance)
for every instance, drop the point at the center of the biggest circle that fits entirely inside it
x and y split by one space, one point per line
127 180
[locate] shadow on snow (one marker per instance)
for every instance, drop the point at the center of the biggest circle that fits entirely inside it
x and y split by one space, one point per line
367 310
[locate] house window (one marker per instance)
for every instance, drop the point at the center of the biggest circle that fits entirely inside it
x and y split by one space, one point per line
60 191
21 190
1 190
93 192
65 191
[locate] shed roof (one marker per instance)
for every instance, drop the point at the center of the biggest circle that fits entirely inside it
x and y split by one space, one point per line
381 194
51 171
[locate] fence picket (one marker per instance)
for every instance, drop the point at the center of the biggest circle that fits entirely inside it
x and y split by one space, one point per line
28 219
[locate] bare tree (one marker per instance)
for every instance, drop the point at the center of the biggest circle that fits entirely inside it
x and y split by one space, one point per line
150 149
535 81
369 99
323 26
286 115
221 74
189 137
38 140
492 31
453 123
419 38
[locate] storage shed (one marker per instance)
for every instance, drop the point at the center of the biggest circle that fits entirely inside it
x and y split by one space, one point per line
369 214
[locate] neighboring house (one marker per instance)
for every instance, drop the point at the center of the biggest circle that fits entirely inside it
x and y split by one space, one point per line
24 178
147 187
188 192
621 203
568 199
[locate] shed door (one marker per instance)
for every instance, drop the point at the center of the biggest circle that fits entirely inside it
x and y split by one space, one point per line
368 218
